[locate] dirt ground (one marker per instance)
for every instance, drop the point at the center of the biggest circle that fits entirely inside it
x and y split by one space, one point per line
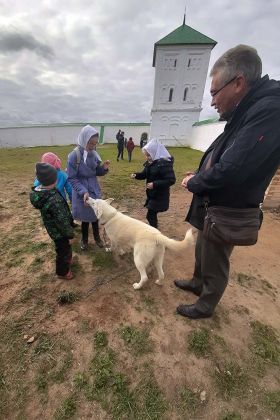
107 300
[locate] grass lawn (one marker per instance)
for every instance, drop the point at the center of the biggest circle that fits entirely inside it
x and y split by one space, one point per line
22 161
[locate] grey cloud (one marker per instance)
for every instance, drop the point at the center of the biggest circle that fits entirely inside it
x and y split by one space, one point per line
43 104
103 54
15 41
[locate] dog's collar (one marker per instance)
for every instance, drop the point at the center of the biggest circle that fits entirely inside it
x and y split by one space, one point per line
109 219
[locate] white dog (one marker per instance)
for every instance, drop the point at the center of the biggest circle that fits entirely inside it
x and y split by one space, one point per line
126 233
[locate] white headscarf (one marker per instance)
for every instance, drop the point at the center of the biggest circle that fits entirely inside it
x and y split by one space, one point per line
83 138
156 150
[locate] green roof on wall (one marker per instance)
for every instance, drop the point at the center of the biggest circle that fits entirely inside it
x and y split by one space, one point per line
204 122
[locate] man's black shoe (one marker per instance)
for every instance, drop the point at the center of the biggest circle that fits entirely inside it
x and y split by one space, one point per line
190 311
186 285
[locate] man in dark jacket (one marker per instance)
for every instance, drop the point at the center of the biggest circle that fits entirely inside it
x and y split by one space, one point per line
118 134
120 145
236 169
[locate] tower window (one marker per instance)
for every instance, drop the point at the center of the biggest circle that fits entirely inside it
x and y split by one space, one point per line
185 94
189 62
175 63
170 95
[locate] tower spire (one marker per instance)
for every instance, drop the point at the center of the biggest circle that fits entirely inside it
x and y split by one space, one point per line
184 21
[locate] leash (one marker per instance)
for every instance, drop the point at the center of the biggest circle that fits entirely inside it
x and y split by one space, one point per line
105 280
102 281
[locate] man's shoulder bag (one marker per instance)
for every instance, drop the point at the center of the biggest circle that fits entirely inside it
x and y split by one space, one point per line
226 225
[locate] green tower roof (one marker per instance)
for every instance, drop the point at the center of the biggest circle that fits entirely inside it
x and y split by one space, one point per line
184 35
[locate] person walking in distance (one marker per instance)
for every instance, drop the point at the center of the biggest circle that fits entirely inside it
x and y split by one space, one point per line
130 146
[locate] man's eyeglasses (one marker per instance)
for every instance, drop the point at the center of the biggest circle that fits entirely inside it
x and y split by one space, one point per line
219 90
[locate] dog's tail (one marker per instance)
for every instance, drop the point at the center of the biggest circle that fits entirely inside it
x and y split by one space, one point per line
178 246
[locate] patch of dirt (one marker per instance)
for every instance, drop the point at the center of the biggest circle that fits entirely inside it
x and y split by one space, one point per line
116 303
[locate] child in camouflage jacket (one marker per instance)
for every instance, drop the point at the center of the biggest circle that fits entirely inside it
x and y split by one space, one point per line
56 216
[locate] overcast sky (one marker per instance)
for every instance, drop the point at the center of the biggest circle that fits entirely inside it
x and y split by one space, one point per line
91 60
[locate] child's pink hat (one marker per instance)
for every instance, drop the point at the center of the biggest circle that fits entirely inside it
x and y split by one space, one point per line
51 159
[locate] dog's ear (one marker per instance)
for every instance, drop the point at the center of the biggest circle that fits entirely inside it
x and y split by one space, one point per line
98 211
109 200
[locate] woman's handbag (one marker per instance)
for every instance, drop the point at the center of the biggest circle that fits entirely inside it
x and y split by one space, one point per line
226 225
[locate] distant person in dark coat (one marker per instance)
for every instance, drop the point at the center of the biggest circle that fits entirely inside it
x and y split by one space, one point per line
143 139
120 145
130 147
159 174
118 133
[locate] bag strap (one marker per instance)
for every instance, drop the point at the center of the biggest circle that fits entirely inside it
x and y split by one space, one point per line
207 166
209 161
78 155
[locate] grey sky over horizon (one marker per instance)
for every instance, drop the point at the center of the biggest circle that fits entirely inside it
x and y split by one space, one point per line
85 61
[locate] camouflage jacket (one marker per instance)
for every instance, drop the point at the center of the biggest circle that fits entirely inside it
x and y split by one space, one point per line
55 212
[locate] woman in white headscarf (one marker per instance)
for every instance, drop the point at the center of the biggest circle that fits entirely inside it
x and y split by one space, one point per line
159 174
83 167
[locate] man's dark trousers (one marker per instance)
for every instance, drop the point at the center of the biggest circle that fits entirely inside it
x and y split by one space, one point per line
120 153
211 272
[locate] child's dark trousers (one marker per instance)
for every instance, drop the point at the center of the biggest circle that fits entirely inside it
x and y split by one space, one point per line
152 218
63 256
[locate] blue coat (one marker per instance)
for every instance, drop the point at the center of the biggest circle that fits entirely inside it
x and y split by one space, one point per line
62 184
83 178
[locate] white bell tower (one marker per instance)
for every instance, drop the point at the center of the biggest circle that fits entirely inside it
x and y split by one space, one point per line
181 61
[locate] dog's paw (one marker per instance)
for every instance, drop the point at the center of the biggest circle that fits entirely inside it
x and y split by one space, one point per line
136 286
159 282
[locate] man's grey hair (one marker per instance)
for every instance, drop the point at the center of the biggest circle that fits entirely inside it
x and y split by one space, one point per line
241 59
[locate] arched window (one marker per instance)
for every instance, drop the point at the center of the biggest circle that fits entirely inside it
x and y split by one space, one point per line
170 95
189 62
185 94
175 63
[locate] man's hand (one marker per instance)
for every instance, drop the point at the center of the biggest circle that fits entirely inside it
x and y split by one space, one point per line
187 178
150 185
106 164
71 241
86 196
